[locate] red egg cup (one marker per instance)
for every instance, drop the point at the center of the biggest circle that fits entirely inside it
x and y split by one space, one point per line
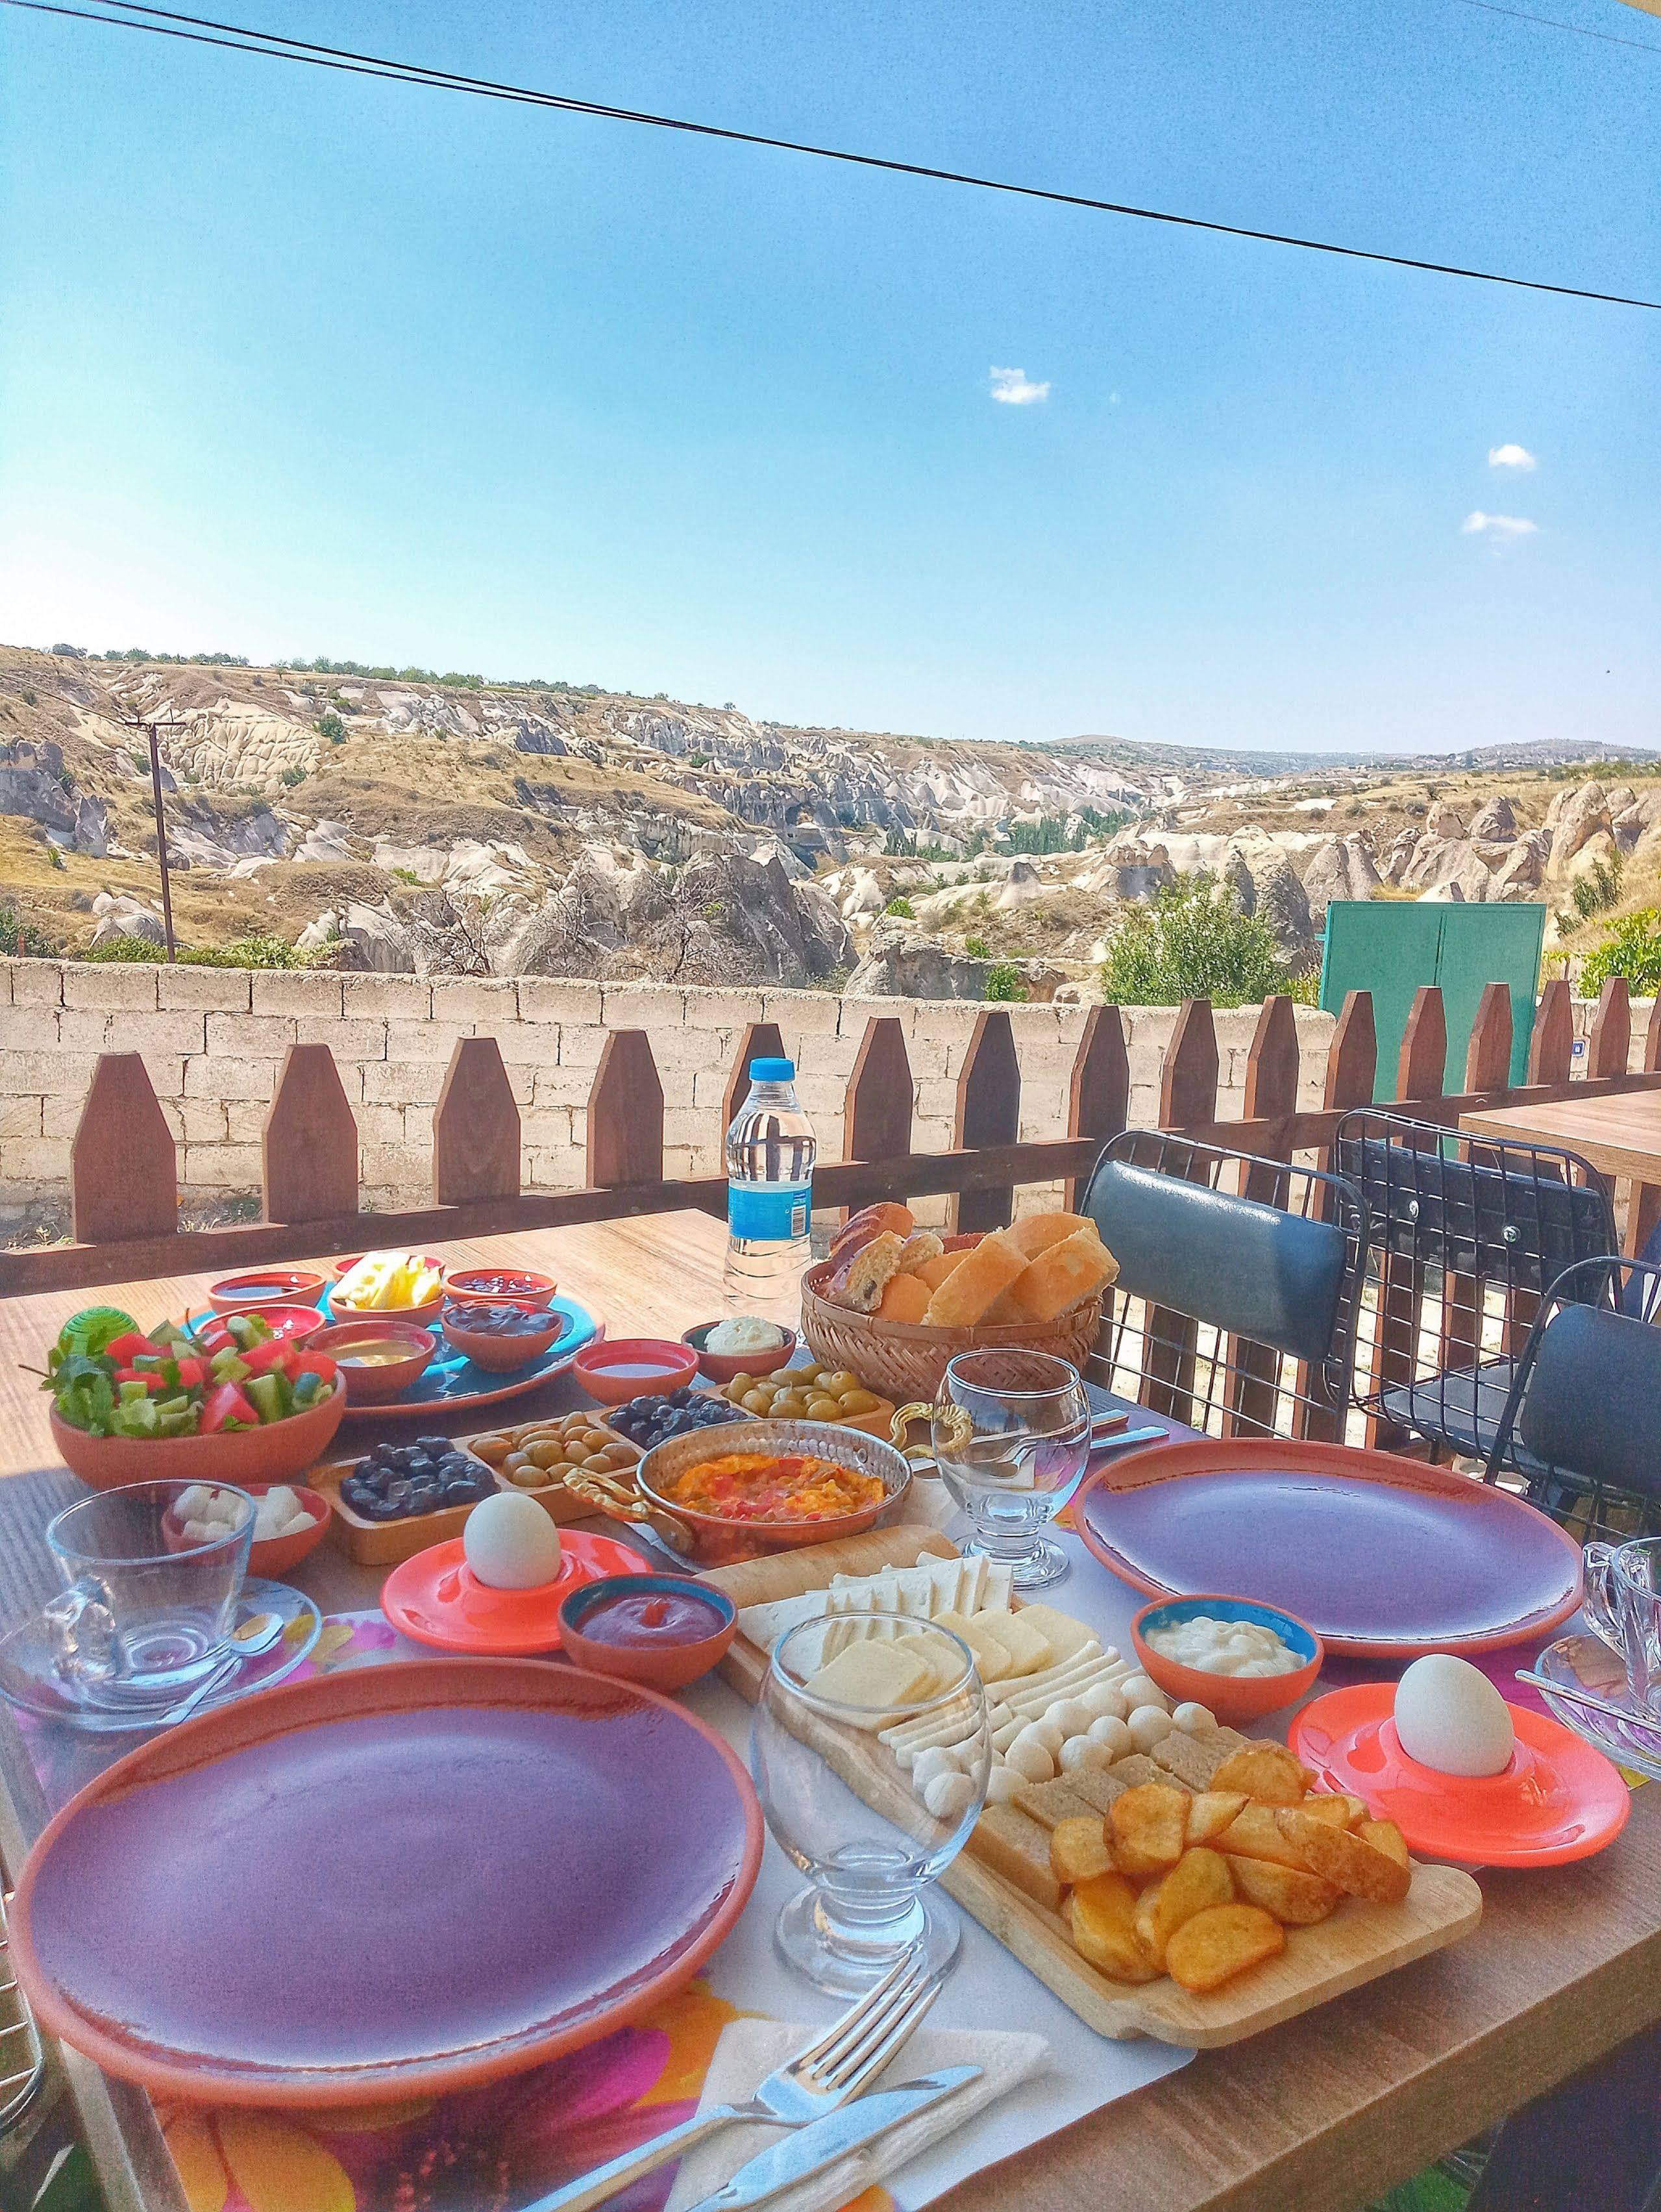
596 1364
660 1667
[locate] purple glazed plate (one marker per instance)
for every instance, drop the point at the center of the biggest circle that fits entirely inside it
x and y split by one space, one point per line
394 1882
1385 1558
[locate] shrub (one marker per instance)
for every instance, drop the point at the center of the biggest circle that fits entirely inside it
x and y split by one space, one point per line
406 875
291 776
21 939
263 950
1004 983
1596 891
902 910
330 727
27 695
54 857
977 948
1633 948
1191 943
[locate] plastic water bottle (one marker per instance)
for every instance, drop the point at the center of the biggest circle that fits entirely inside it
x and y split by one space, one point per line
770 1156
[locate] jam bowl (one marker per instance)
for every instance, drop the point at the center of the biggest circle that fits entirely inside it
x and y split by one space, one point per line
665 1630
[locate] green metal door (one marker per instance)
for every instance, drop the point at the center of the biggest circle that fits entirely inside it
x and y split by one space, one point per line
1389 947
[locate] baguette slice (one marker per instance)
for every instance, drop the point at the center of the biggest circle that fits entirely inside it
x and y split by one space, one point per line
975 1282
1077 1267
863 1275
1036 1233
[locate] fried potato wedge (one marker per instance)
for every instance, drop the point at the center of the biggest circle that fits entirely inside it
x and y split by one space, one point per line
1268 1771
1199 1880
1103 1912
1296 1900
1220 1943
1149 1826
1078 1849
1360 1868
1385 1836
1340 1811
1211 1813
1253 1834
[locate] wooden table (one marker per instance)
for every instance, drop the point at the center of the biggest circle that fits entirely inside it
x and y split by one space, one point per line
1618 1134
1319 2116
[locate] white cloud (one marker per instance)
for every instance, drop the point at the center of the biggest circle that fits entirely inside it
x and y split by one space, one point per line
1498 525
1016 389
1510 457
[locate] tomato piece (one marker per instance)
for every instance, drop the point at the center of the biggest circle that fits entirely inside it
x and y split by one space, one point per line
224 1404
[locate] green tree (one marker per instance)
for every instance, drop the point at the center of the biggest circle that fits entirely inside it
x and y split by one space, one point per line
1004 983
1192 942
332 727
1632 949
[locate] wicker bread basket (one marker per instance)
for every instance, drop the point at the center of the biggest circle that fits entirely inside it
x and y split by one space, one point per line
905 1361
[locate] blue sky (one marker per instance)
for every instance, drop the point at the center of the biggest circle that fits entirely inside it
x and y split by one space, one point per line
291 361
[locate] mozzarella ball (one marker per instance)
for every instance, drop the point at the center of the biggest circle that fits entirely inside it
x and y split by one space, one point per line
1030 1759
1137 1690
1079 1755
1002 1784
1195 1720
937 1759
1148 1725
948 1797
1112 1735
1103 1699
1070 1715
1046 1733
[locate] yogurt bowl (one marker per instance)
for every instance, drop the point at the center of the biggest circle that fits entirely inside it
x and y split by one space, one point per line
1233 1697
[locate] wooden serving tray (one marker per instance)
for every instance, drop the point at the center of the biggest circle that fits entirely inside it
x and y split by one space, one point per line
1359 1943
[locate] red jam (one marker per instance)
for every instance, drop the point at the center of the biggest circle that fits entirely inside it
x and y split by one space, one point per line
642 1618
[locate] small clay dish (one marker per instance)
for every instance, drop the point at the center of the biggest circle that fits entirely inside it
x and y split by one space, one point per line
261 1288
727 1366
670 1665
279 1555
420 1314
374 1386
497 1354
463 1286
1235 1699
620 1368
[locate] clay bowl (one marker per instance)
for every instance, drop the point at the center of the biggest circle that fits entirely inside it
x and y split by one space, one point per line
244 1458
374 1386
276 1554
717 1542
727 1366
1235 1699
500 1355
462 1287
610 1370
418 1314
261 1288
666 1667
289 1324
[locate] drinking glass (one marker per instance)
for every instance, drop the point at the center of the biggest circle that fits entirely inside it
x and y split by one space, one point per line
144 1611
1623 1604
856 1821
1011 1437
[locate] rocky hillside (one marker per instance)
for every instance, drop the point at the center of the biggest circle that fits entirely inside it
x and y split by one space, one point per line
413 823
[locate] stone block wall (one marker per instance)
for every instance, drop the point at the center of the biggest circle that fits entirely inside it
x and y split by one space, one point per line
212 1041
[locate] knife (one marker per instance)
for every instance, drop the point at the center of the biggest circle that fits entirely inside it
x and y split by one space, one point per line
810 2149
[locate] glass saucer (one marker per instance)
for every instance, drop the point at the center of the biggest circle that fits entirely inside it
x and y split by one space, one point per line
1634 1742
29 1681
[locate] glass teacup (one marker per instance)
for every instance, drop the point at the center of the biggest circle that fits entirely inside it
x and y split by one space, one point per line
145 1611
1623 1604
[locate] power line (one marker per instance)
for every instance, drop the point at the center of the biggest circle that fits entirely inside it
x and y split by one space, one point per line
1518 14
276 46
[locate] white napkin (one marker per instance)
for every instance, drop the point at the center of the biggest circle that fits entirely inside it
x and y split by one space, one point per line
748 2052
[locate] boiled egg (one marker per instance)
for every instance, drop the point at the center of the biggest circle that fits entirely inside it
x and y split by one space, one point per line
510 1542
1450 1717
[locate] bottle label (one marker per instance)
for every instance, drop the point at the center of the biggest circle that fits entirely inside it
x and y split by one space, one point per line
768 1212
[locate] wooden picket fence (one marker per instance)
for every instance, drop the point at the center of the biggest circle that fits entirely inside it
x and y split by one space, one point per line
124 1168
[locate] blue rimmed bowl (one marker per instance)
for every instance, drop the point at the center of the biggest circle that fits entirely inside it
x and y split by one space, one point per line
1232 1697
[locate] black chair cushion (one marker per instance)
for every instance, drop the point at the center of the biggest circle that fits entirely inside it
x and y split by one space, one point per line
1593 1403
1246 1268
1518 1224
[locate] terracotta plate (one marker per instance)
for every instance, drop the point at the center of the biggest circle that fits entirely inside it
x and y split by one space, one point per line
453 1380
1385 1558
437 1599
1558 1799
392 1882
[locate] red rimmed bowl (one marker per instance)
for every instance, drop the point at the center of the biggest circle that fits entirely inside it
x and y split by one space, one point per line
661 1666
500 1355
374 1386
1235 1699
463 1286
242 1457
274 1555
258 1288
718 1542
427 1312
727 1366
619 1368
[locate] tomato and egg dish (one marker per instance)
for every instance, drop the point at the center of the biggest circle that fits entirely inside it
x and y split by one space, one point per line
774 1486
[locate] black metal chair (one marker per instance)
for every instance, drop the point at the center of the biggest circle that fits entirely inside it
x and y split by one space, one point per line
1235 1301
1467 1236
1582 1420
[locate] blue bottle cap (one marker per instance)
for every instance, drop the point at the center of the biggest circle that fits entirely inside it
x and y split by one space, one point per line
772 1071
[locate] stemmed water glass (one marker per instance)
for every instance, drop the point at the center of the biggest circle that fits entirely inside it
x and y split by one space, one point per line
871 1837
1011 1437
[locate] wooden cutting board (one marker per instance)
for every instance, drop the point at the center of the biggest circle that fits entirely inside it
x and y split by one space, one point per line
1356 1944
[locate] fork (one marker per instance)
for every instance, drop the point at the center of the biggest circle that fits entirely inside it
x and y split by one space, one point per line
830 2071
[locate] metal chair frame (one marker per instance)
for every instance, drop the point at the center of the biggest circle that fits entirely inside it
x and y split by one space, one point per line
1192 1367
1495 1225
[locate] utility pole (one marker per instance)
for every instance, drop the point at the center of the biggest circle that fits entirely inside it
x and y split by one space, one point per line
136 719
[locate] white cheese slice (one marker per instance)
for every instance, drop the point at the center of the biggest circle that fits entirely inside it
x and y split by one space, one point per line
995 1590
1027 1646
763 1625
1065 1636
876 1676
